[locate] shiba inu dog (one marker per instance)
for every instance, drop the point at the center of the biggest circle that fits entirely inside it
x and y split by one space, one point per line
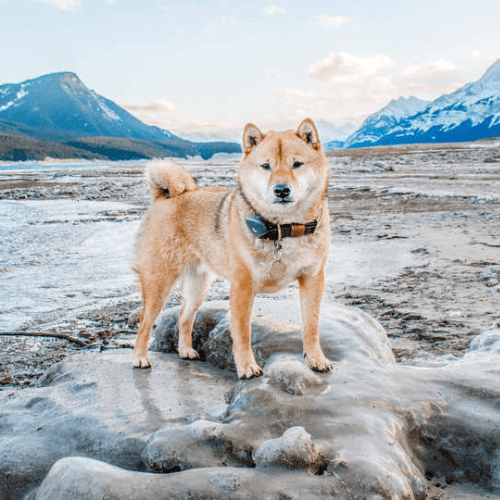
271 230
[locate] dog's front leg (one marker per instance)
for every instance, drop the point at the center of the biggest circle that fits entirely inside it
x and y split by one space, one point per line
241 302
311 293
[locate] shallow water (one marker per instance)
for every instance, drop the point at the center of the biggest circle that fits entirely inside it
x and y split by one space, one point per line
60 255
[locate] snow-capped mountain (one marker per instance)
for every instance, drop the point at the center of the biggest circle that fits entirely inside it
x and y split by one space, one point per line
333 136
59 106
470 113
376 126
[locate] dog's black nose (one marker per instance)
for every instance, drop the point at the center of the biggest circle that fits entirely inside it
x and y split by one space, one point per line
282 191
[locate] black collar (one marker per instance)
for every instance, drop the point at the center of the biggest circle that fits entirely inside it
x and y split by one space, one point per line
266 230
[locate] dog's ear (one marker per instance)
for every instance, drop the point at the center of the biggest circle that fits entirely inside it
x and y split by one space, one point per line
308 133
251 137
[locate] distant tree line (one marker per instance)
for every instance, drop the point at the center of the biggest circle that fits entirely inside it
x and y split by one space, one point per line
14 147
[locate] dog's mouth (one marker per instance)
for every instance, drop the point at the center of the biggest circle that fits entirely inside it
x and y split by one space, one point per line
283 201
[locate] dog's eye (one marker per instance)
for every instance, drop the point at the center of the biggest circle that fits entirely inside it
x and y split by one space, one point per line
297 164
266 166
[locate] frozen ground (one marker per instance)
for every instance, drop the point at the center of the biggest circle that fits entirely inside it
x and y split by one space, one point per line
415 243
62 255
437 205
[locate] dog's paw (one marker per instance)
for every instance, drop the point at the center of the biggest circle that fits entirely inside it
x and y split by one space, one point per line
248 370
318 363
141 362
188 353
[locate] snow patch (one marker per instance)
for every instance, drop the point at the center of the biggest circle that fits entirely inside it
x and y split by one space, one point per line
109 114
7 106
19 95
22 93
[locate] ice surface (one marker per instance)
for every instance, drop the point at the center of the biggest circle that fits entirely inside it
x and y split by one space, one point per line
58 255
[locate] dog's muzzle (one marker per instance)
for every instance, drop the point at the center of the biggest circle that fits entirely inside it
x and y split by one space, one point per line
282 193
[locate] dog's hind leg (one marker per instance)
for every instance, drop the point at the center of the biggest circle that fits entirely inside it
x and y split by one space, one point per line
155 290
195 282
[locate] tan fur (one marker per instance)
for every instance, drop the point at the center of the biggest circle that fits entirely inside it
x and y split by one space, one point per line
191 232
168 180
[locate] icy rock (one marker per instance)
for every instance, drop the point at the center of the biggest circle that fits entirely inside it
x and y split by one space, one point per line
95 405
369 429
82 478
291 375
294 449
182 447
486 342
347 333
166 334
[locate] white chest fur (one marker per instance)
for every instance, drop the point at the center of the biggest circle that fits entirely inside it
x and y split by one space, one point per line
281 264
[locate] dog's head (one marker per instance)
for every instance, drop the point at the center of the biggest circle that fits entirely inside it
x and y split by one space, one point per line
283 175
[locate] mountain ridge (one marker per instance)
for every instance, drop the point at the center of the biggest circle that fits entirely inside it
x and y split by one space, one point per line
470 113
59 104
59 108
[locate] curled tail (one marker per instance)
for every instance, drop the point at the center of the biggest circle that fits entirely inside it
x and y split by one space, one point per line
167 180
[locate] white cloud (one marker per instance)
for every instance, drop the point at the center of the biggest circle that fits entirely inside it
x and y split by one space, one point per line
374 77
273 10
342 66
335 105
356 85
165 8
333 21
383 86
112 2
430 69
64 5
430 79
427 89
154 106
159 112
376 88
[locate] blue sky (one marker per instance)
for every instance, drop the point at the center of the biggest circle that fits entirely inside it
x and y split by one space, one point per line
186 65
